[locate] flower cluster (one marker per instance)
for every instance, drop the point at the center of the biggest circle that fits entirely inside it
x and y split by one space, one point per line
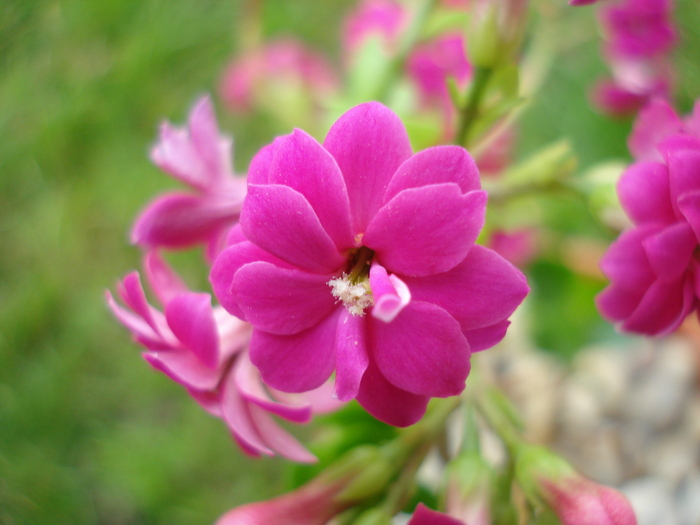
653 266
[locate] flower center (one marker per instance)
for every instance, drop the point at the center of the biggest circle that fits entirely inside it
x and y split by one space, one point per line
353 288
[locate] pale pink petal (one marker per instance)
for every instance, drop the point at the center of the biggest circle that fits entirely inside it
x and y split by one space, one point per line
663 308
669 251
228 263
689 206
425 516
281 221
422 351
209 400
132 294
645 194
250 386
175 154
163 280
177 220
191 319
278 439
655 122
321 399
436 165
387 402
484 338
298 362
134 323
391 295
369 143
183 366
305 166
213 149
423 231
352 359
484 289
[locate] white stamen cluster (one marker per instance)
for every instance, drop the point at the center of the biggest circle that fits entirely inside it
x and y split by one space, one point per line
355 296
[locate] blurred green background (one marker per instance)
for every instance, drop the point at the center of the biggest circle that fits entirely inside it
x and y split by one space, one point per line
88 433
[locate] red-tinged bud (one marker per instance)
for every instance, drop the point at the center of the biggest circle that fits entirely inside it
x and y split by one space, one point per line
425 516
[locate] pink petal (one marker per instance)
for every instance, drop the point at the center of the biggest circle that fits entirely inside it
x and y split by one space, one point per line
619 300
387 402
655 122
645 194
369 143
352 359
481 291
436 165
321 399
484 338
683 158
428 230
228 263
213 149
278 439
626 260
281 221
183 366
301 163
163 280
425 516
134 323
689 206
391 295
662 309
191 319
298 362
422 351
282 301
177 220
669 251
133 295
250 386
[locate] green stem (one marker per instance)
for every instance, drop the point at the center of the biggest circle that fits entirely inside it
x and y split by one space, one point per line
470 111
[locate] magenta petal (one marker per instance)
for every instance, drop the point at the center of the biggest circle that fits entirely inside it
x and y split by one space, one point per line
281 221
305 166
298 362
250 386
131 291
425 516
163 280
282 301
387 402
626 260
183 366
669 251
228 263
134 323
645 193
369 143
213 149
689 206
664 307
484 338
391 295
422 351
683 158
278 439
191 319
423 231
176 220
619 300
656 121
352 359
482 290
436 165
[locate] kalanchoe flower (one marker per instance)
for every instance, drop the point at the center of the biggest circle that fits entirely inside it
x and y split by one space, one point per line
205 350
425 516
200 157
359 257
518 247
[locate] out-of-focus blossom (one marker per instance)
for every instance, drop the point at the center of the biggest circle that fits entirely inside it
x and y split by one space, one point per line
653 266
425 516
275 72
639 36
382 19
517 247
205 350
356 226
497 154
548 479
432 63
656 122
582 2
199 156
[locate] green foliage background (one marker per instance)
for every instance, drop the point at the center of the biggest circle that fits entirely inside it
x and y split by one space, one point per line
88 433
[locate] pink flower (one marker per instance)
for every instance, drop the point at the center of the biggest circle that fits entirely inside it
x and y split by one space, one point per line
580 501
383 19
205 350
357 226
518 247
201 158
653 266
285 62
425 516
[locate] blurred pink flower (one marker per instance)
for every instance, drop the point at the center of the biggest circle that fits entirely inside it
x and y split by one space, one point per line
285 62
517 247
425 516
200 157
653 267
361 225
205 350
383 19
